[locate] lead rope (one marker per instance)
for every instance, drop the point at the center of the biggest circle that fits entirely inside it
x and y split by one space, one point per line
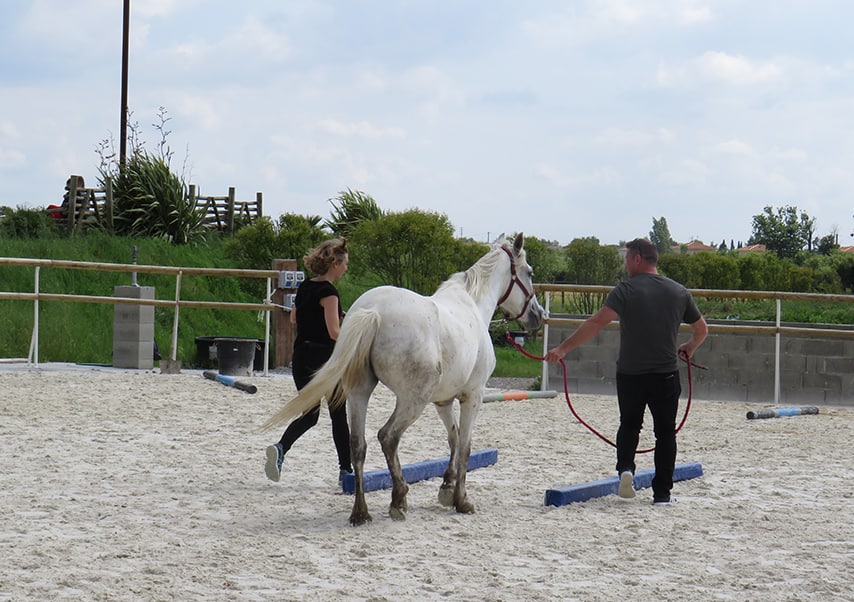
581 420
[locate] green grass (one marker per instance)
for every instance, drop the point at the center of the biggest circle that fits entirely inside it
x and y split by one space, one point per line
82 332
510 362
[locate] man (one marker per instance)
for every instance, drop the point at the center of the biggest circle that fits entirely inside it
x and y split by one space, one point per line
650 308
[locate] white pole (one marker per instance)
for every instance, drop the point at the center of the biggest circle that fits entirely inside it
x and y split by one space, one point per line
175 320
267 328
33 356
777 357
544 380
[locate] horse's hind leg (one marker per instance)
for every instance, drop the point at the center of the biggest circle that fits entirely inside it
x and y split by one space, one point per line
468 414
445 409
405 413
357 408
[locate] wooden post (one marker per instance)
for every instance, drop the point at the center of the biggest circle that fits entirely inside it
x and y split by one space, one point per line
108 203
71 207
258 210
284 332
229 216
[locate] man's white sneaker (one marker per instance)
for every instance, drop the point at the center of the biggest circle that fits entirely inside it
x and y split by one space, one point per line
627 487
664 502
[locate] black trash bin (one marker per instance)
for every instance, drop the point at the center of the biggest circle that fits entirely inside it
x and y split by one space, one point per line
235 356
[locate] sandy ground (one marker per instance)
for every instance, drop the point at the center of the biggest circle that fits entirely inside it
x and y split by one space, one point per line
123 485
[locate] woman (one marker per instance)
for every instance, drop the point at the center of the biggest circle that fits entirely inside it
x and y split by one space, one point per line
317 315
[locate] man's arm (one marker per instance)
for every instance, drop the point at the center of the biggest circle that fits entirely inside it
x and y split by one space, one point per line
699 330
588 329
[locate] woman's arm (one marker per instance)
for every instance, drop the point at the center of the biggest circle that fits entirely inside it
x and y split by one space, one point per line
330 315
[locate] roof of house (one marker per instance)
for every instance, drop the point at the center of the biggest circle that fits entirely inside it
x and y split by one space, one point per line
695 246
749 248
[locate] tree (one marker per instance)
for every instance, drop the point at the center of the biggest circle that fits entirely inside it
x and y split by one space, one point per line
660 236
828 243
588 262
785 232
292 236
547 261
414 249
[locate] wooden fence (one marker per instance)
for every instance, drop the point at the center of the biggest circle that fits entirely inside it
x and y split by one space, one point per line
85 207
36 296
777 329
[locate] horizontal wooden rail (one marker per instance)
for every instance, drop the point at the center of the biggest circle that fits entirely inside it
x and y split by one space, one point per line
135 301
705 293
715 327
773 328
143 269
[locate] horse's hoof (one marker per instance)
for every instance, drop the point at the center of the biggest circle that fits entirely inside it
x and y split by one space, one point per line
465 508
446 496
397 513
358 520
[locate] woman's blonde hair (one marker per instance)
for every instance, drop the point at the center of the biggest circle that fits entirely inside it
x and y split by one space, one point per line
324 255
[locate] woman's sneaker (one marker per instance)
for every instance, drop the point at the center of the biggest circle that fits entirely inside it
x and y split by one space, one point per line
273 466
627 485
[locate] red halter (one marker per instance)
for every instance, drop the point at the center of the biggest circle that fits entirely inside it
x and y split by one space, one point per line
514 281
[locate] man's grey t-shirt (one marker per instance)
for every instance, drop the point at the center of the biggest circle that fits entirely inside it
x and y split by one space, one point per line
651 308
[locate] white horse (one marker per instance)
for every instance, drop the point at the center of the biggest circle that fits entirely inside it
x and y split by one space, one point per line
425 349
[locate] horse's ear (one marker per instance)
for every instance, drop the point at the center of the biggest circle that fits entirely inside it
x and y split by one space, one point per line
499 241
518 243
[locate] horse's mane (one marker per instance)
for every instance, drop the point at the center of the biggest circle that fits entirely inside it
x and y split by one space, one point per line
475 279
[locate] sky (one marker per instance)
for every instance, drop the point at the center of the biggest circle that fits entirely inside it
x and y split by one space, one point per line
561 119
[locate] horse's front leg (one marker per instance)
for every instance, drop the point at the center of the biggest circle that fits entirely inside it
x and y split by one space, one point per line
445 409
468 415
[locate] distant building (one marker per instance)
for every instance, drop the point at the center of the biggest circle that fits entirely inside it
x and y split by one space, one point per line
752 249
695 246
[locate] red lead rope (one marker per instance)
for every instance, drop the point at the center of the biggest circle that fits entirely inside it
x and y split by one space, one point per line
581 420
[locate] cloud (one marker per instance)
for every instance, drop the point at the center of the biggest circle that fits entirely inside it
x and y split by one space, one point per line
639 11
735 147
602 177
11 158
362 129
736 69
717 67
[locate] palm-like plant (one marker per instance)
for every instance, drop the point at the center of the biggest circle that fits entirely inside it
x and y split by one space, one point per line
349 209
148 198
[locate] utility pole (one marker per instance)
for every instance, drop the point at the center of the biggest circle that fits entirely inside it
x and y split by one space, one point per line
123 142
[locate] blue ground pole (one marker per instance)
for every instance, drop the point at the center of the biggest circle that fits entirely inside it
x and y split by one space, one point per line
562 496
419 471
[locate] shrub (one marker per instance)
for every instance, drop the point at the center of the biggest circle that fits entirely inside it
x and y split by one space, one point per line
26 223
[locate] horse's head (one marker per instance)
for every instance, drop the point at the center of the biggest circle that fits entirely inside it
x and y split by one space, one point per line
519 302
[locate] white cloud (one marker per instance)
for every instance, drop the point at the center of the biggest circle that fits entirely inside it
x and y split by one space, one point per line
602 177
737 69
11 158
686 172
162 8
362 129
735 147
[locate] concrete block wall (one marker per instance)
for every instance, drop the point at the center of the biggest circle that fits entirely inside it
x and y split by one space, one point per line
133 329
813 369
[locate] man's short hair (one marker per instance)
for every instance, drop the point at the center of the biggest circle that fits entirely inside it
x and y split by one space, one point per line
644 248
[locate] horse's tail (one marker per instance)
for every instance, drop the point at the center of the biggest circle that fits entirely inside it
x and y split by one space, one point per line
344 370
